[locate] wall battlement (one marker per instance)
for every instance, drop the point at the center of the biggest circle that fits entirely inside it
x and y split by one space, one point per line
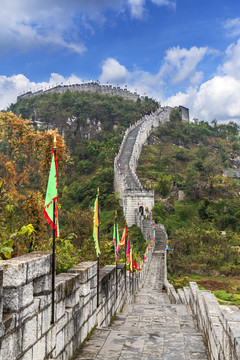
126 183
93 87
25 305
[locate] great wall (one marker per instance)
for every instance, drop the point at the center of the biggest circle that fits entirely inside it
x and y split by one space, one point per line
93 87
154 324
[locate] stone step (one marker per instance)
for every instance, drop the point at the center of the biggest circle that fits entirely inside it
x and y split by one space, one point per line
150 328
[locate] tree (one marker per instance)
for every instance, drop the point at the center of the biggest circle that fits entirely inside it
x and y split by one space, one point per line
164 183
25 157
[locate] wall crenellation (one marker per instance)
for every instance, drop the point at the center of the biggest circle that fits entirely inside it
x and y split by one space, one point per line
26 332
93 87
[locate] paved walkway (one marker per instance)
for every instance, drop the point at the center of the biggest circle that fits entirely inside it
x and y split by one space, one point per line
150 328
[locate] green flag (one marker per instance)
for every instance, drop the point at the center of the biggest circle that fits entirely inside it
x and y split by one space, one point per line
96 227
52 197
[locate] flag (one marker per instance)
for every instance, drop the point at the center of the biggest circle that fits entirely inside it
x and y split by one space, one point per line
116 237
127 252
131 261
124 235
95 227
52 197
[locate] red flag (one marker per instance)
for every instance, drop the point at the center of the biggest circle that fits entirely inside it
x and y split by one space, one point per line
124 236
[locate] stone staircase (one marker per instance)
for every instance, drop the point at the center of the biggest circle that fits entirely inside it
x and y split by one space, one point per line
124 158
150 328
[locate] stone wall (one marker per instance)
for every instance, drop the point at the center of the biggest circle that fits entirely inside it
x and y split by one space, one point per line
93 87
26 332
220 324
131 199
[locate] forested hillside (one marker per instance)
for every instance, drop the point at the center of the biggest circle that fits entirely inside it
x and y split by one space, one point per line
185 161
92 126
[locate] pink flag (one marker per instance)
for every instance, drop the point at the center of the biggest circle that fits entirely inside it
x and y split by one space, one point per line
127 253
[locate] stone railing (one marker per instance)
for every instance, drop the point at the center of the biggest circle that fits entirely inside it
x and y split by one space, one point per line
26 332
89 87
219 323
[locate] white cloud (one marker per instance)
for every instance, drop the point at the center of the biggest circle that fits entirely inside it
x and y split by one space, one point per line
28 24
169 3
11 87
233 27
113 72
231 65
180 64
217 98
137 6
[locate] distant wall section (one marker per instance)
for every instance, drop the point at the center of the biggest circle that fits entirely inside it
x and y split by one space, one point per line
87 87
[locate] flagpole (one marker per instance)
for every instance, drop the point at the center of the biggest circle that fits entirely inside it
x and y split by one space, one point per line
116 260
98 257
126 264
132 276
53 248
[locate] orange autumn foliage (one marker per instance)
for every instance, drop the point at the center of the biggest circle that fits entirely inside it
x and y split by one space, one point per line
25 158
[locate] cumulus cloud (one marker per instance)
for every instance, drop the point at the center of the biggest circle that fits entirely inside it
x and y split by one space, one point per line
113 72
180 64
231 65
12 86
217 98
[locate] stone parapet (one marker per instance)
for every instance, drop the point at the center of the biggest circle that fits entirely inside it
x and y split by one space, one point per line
26 332
220 323
93 87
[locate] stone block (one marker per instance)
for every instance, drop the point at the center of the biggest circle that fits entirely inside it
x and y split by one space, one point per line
29 334
8 323
14 273
23 269
28 312
66 284
45 301
15 299
72 299
60 344
86 270
84 289
12 345
50 341
84 299
46 317
38 350
61 323
60 309
93 282
42 285
68 332
28 355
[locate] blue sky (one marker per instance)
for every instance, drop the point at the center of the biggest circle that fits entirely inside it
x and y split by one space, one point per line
177 51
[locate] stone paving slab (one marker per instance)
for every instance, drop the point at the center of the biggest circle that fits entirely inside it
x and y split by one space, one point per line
150 329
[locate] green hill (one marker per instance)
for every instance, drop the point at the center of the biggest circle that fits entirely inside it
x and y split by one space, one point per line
199 206
92 126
